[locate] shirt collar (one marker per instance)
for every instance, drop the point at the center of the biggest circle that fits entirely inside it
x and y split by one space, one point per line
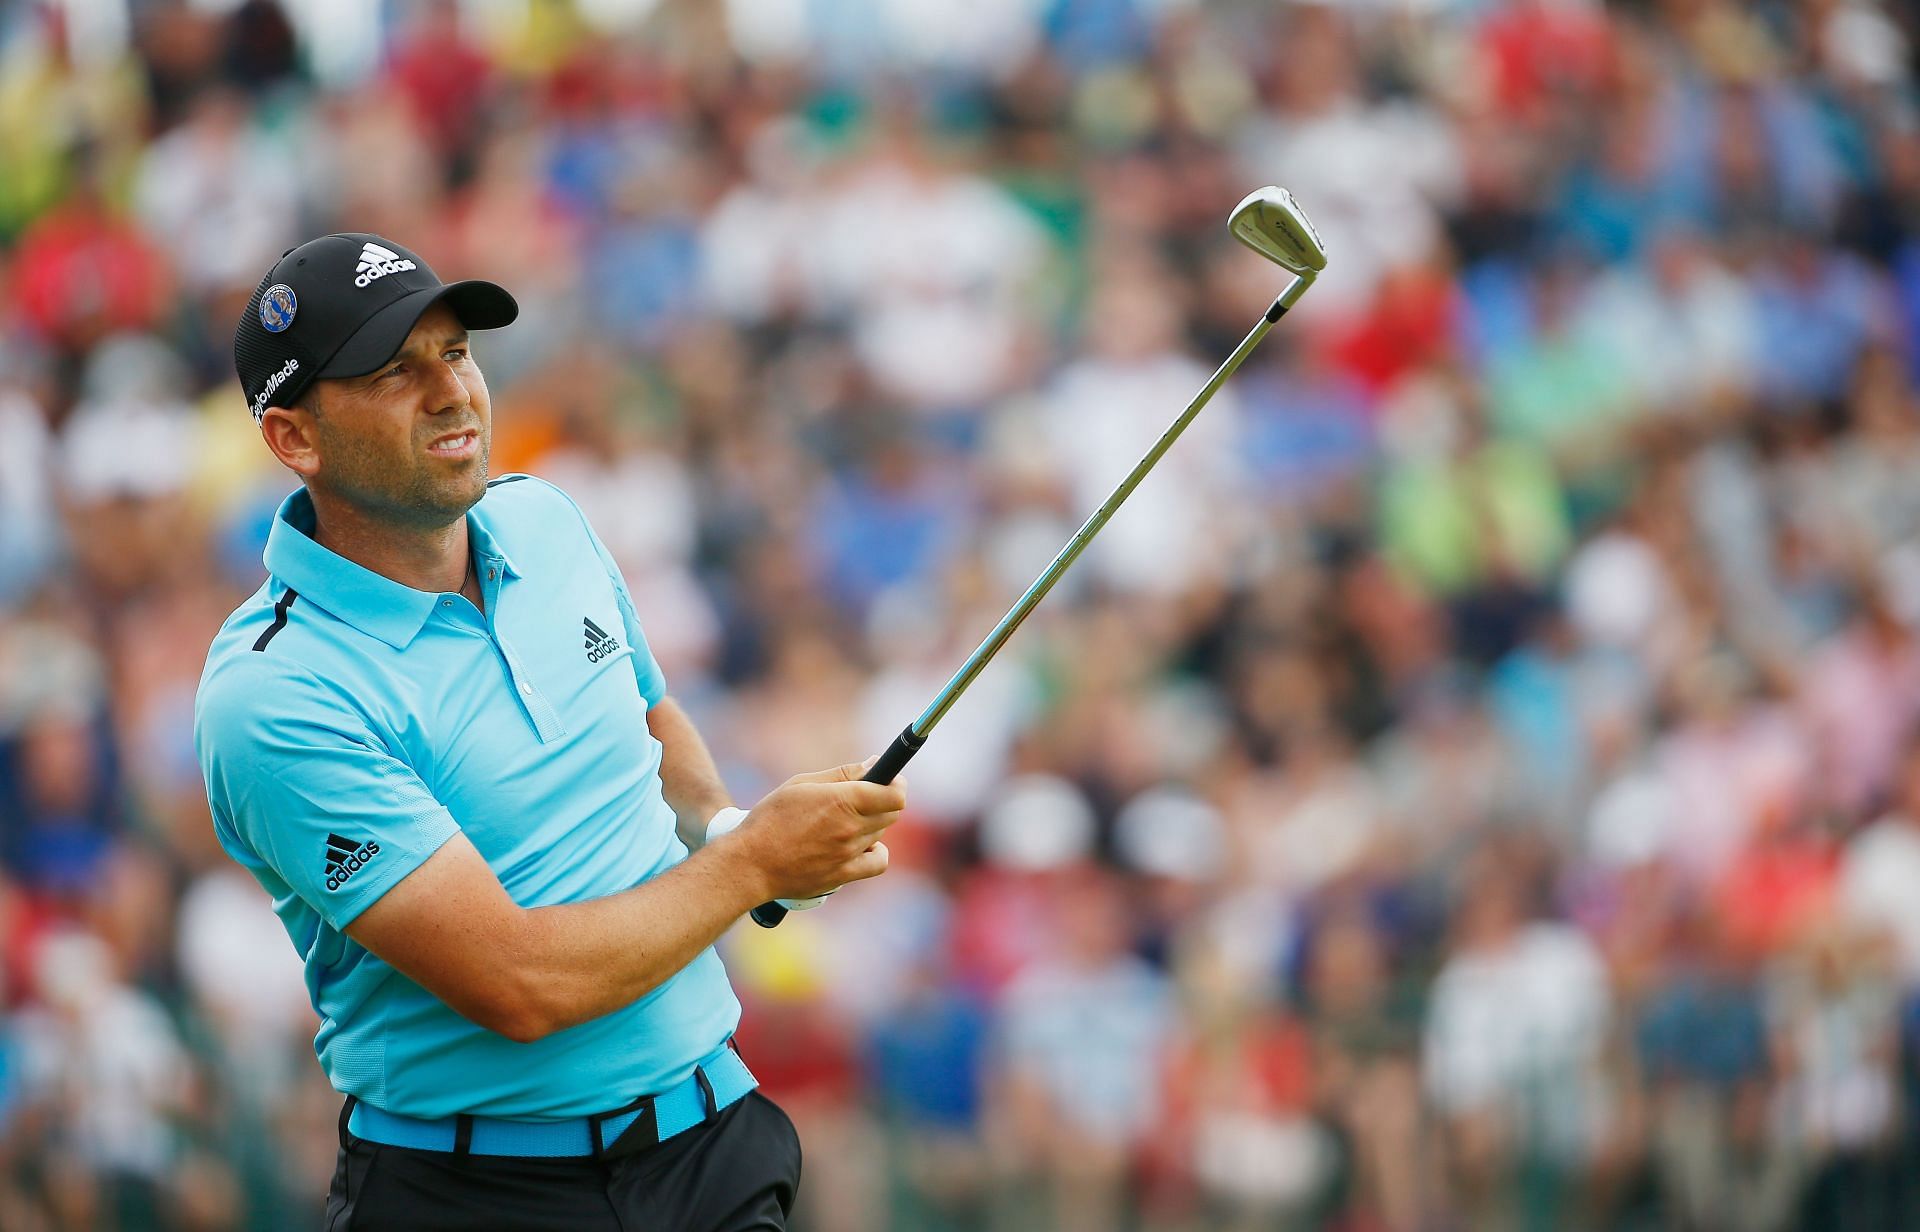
377 606
486 543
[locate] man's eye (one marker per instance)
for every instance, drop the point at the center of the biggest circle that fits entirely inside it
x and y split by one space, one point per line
457 353
396 370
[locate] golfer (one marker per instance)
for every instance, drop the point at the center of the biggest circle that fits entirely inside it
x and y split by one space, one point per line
438 740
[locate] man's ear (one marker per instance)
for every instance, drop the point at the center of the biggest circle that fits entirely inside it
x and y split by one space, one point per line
291 434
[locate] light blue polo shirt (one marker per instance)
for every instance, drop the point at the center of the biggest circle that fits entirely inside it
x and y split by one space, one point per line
348 725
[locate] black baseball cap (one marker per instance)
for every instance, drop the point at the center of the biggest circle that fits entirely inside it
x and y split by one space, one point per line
342 305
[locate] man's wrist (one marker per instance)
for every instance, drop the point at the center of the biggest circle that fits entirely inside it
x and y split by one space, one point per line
739 856
725 820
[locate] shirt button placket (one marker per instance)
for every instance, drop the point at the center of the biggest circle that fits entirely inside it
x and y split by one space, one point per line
545 721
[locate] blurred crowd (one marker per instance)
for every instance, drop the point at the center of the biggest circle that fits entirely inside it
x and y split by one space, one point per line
1473 784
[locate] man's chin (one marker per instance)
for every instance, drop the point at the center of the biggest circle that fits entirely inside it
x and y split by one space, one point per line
464 496
449 497
430 496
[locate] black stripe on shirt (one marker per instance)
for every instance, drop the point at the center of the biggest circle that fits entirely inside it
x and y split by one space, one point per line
279 618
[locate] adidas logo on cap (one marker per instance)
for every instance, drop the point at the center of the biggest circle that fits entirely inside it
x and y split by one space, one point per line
377 262
345 858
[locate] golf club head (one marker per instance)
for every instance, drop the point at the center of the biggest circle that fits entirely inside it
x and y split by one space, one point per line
1269 221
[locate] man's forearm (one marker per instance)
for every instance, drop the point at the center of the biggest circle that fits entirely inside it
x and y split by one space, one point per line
526 972
689 780
582 960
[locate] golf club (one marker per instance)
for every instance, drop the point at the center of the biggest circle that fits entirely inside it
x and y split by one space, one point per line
1270 222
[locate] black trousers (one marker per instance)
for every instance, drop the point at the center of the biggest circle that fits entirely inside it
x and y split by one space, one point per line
736 1173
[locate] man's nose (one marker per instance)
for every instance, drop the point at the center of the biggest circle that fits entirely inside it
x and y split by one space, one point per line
447 391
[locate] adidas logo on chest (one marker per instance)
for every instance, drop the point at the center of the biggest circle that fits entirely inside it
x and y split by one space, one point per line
377 262
600 643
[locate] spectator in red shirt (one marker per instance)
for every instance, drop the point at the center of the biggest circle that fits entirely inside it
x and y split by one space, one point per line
84 271
445 78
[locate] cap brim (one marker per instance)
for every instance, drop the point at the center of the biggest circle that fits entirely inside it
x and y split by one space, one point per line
478 304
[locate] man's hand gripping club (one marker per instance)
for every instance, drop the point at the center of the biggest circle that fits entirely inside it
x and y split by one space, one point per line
816 832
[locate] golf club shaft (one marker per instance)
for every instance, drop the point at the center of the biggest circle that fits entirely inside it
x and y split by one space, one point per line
908 742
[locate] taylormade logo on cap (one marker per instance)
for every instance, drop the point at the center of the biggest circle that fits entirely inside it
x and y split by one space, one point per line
377 262
273 382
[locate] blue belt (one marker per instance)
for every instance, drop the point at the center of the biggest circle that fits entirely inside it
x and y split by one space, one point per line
714 1084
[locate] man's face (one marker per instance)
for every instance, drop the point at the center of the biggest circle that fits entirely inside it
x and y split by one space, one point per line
408 442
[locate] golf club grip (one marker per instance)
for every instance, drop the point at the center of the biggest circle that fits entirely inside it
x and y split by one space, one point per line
888 768
895 759
768 915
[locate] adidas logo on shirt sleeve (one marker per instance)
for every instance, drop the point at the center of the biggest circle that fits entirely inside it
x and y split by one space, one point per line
345 858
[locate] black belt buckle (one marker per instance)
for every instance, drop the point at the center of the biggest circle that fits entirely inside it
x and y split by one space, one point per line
710 1107
637 1137
645 1130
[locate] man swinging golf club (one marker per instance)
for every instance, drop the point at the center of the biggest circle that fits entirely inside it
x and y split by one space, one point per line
437 738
